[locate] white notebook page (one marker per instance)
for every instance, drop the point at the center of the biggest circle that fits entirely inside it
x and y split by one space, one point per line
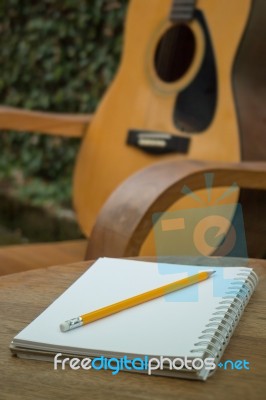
158 327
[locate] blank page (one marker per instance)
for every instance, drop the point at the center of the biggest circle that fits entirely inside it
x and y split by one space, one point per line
165 326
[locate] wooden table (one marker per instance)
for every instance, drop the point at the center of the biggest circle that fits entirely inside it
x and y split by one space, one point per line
24 295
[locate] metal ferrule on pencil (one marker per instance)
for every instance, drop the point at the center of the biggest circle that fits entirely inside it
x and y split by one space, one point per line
134 301
71 324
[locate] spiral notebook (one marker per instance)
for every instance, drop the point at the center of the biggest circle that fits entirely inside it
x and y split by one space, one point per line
192 324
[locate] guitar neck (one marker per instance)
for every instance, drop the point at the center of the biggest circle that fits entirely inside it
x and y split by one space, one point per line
182 10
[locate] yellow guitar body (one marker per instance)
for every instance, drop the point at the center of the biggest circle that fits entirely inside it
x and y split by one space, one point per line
138 99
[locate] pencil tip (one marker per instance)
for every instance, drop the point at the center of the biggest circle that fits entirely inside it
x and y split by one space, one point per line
211 272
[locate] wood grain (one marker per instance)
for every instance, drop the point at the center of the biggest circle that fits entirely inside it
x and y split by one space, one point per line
32 256
249 83
126 218
24 295
49 123
137 99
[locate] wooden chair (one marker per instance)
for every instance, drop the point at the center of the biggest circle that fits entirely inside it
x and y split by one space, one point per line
125 220
17 258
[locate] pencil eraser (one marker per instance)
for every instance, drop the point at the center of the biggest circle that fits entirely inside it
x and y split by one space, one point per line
64 326
71 324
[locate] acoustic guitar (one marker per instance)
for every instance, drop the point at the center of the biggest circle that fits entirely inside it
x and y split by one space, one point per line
172 96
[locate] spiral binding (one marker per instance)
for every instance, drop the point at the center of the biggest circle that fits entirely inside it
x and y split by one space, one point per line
214 339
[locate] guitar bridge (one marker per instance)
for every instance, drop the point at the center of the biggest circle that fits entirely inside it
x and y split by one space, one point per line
157 142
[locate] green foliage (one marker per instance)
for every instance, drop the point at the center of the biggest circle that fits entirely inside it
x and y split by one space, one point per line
56 55
41 193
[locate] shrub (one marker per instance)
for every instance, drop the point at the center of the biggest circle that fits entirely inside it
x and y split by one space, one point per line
55 56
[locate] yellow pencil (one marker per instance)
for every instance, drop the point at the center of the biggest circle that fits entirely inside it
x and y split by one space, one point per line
133 301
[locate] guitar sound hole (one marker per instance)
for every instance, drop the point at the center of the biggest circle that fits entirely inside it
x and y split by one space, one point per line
174 53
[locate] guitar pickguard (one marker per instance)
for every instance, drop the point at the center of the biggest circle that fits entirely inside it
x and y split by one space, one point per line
195 105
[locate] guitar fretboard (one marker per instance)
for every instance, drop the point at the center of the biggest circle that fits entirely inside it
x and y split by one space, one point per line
182 10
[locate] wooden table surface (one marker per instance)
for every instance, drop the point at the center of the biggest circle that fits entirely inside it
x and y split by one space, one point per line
24 295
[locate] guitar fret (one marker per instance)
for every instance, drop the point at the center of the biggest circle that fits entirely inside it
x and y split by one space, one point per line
180 15
175 5
183 2
183 7
182 10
